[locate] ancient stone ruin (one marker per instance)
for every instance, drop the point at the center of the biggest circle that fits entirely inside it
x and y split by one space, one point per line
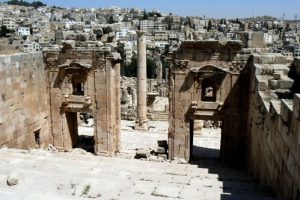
252 97
49 96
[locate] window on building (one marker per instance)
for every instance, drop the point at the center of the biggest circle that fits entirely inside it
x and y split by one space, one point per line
78 88
208 93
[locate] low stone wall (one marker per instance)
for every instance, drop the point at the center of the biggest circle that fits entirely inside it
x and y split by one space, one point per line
274 131
23 101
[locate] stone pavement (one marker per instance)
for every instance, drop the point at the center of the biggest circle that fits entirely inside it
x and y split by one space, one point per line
207 145
132 139
45 175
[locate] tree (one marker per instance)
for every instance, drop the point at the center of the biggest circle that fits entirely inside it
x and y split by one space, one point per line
169 21
130 70
121 51
145 15
4 31
151 68
35 4
209 25
111 20
223 21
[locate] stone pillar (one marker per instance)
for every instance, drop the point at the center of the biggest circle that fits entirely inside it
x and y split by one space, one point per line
167 75
198 125
159 71
134 98
141 121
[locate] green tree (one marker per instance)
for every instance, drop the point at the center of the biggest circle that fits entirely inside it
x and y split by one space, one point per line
145 15
121 51
151 67
110 20
130 70
209 25
223 21
4 31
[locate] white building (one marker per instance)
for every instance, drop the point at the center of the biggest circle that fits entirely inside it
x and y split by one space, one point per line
268 38
128 50
24 31
297 51
122 34
29 46
161 44
9 23
146 25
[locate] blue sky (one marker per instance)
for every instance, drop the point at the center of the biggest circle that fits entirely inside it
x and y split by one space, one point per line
210 8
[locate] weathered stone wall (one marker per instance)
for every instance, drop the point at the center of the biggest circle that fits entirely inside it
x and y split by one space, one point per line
99 73
23 101
195 66
274 128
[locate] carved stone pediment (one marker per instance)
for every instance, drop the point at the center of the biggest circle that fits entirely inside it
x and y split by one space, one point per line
182 65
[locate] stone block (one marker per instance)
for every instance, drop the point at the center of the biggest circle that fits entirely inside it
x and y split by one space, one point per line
277 75
273 84
296 106
285 84
262 85
104 38
161 150
286 111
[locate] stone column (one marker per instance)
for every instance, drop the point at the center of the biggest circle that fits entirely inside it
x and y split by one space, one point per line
198 125
141 121
134 98
167 75
159 71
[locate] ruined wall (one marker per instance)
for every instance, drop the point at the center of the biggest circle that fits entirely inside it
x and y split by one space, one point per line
23 101
274 127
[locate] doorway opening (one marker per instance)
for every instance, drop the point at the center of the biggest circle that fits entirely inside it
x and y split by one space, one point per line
37 138
205 140
81 129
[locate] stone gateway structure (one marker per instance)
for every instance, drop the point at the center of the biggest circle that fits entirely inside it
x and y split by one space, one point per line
254 96
79 81
205 84
43 94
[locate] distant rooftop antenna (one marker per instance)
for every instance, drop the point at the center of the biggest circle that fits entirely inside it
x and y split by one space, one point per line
283 16
296 21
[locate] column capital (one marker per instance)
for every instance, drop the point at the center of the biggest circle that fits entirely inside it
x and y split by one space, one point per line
140 33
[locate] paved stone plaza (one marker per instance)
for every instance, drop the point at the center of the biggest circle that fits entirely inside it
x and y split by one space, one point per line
207 145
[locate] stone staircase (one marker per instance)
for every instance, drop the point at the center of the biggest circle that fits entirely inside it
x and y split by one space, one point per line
45 175
161 117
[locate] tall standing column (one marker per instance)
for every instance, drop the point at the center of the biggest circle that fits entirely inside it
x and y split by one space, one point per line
159 71
141 121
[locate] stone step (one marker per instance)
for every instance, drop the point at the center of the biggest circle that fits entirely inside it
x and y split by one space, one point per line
53 176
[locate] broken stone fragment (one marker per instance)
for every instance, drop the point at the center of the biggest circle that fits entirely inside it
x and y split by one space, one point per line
104 38
163 156
156 159
161 150
162 143
142 153
13 179
180 161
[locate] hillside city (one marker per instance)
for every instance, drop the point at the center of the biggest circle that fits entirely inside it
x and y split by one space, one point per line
31 29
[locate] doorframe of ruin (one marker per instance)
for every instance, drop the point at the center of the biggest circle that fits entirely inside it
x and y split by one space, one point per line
102 98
